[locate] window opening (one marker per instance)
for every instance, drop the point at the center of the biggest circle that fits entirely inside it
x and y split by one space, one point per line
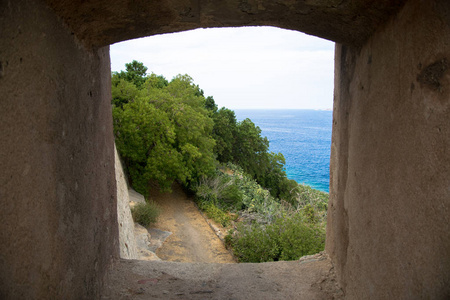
283 81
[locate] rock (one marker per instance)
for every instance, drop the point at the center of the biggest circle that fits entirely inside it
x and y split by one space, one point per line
127 242
147 242
145 254
142 236
135 197
157 238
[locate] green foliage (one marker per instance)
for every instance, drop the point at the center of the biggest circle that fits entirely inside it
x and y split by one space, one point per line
255 244
224 132
219 190
298 237
215 213
250 149
135 73
309 199
123 91
210 104
238 191
274 178
242 144
228 240
163 130
287 238
232 195
155 81
168 131
145 213
255 199
288 190
145 138
281 232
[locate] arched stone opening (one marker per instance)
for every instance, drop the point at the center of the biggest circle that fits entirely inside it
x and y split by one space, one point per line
101 23
390 163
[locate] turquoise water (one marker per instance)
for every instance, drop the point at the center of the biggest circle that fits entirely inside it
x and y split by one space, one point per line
304 138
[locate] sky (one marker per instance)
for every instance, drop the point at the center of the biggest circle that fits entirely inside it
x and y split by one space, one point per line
242 68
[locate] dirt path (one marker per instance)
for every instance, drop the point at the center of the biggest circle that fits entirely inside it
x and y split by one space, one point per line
192 239
198 266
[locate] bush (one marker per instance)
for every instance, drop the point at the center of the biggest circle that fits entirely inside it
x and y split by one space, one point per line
299 238
145 213
269 229
215 213
309 199
286 239
232 196
255 244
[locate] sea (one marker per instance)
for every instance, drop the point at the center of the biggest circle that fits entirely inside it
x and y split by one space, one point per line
304 138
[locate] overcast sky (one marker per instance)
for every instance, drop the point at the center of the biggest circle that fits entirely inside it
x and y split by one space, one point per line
246 67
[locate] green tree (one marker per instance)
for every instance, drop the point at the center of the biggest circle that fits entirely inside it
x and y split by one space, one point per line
123 91
135 73
193 127
224 132
163 131
146 138
155 81
274 174
250 148
169 131
210 104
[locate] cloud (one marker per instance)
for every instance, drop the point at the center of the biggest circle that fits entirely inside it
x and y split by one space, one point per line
247 67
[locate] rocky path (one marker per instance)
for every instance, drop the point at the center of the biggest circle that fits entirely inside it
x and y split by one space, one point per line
192 239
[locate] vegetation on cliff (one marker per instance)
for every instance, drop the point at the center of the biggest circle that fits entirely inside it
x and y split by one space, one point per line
262 227
145 213
169 131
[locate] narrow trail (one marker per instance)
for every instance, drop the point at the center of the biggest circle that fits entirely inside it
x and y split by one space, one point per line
192 239
197 266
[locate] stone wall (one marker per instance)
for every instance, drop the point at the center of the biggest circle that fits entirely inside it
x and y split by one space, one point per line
104 22
127 241
389 212
57 185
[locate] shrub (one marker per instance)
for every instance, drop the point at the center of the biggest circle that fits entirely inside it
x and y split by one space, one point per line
215 213
308 195
228 240
299 238
255 244
145 213
232 196
286 239
312 201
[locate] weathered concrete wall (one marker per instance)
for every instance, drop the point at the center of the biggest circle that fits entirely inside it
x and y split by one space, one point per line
57 186
389 215
103 22
389 211
127 240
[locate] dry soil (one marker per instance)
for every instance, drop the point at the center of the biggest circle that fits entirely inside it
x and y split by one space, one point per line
192 239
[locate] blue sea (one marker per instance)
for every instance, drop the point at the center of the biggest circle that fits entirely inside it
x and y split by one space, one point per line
304 138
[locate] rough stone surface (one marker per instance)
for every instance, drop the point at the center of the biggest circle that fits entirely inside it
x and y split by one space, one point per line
57 185
127 240
310 279
104 22
389 212
157 238
146 243
135 197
